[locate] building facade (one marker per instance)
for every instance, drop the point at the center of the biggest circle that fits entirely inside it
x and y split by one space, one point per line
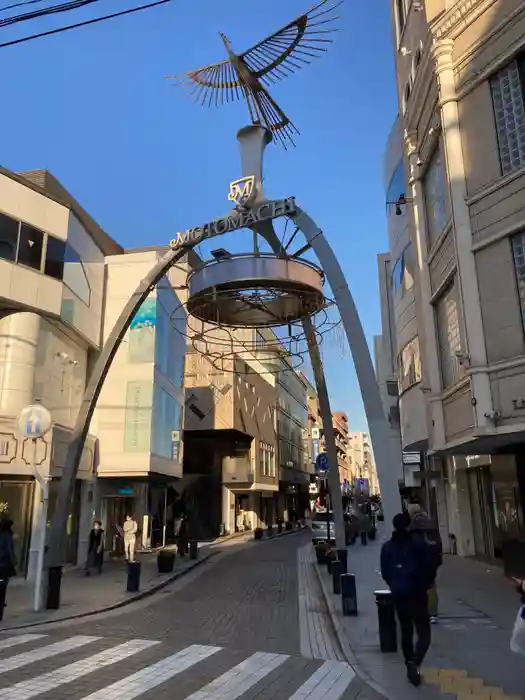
51 290
460 70
342 437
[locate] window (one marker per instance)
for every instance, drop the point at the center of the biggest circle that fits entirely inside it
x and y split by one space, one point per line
508 89
447 313
55 254
30 246
401 17
406 96
436 198
409 365
396 188
403 272
75 276
518 250
8 237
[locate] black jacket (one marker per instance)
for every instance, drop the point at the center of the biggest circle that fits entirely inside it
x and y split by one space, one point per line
7 555
407 565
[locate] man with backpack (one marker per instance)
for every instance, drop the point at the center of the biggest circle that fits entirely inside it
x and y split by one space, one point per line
422 527
409 568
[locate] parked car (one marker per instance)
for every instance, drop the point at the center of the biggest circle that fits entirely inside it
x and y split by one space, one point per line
323 528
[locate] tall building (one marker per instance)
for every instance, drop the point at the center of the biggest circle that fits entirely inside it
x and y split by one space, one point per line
344 464
363 464
458 265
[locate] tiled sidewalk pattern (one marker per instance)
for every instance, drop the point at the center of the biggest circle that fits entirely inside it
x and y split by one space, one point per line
97 668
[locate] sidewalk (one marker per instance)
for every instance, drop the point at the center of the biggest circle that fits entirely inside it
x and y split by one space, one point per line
82 595
470 657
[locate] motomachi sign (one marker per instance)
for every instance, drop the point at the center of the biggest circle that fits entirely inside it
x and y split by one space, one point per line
236 219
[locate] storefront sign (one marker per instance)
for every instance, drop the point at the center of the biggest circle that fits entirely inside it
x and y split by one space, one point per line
235 220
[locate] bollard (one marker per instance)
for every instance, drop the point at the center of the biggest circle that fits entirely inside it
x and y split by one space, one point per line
165 561
54 582
349 594
342 555
330 556
133 583
386 616
3 593
269 531
320 553
364 538
194 549
279 528
337 570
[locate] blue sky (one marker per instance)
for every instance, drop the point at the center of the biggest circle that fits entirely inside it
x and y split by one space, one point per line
92 106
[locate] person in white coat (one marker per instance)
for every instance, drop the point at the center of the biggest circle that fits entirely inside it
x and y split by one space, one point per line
130 537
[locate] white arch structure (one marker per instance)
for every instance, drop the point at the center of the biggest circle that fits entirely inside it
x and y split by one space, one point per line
253 140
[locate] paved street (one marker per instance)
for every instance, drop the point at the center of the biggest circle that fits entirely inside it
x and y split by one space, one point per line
230 629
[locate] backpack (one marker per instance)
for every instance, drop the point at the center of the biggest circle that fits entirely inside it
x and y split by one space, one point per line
403 568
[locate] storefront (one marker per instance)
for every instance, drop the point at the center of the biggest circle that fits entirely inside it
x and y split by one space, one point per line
16 504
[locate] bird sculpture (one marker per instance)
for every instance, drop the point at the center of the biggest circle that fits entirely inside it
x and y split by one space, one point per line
247 76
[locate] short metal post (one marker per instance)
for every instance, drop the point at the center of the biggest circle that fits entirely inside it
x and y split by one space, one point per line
337 570
133 582
349 594
386 616
342 555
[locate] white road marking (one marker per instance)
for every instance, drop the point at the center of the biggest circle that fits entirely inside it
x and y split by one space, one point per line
20 639
67 674
329 682
152 676
46 652
235 682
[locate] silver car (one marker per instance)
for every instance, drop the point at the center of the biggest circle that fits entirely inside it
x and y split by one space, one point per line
323 528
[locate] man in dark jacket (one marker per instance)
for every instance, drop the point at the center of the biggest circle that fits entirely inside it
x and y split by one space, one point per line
409 569
423 527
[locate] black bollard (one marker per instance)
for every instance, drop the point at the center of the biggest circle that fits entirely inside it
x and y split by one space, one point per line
342 555
165 561
3 593
133 583
348 594
337 570
194 549
364 538
329 561
386 616
269 531
54 582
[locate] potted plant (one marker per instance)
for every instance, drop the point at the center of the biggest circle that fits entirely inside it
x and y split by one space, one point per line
257 533
321 550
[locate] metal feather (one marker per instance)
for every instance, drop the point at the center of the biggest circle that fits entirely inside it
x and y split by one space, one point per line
247 76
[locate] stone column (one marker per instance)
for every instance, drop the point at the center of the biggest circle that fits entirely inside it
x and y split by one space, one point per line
425 311
19 335
466 273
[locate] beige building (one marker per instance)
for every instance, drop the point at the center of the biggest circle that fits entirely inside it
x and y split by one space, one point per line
457 158
361 458
344 460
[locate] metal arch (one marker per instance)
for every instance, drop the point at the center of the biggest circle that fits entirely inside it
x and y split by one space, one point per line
91 394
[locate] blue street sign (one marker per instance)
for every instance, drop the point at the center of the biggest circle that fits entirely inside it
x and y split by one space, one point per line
34 421
321 463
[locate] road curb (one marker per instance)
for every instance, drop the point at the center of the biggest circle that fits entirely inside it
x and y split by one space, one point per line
121 603
350 657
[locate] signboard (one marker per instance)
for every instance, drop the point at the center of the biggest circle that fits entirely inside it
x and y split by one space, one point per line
411 457
316 433
315 449
236 219
34 421
321 463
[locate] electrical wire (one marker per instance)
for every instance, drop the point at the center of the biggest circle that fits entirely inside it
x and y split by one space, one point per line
20 4
54 9
85 23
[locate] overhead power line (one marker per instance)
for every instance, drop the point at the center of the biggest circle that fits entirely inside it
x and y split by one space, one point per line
20 4
54 9
85 23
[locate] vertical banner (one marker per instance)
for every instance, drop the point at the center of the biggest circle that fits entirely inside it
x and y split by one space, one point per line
137 425
142 333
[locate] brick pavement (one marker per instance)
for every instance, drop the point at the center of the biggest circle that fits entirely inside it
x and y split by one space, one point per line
477 611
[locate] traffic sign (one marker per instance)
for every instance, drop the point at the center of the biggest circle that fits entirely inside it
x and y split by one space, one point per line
34 421
321 462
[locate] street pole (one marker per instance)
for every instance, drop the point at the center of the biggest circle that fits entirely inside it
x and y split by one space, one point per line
165 516
44 500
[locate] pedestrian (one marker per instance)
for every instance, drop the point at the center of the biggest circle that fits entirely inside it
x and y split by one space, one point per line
423 527
408 568
130 528
95 555
7 559
182 541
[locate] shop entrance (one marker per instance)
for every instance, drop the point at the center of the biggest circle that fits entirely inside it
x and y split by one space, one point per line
115 509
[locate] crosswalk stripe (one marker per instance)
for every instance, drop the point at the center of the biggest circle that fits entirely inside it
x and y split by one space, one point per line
240 678
329 682
46 652
21 639
152 676
48 681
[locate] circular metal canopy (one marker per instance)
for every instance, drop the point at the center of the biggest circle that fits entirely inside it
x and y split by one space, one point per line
255 291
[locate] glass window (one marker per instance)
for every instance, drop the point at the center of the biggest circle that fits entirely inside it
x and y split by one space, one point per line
435 197
447 313
507 87
409 365
8 237
403 272
400 16
55 254
396 188
30 246
518 250
75 276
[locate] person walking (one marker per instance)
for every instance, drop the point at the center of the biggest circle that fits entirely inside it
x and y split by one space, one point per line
130 528
422 527
95 555
409 570
7 560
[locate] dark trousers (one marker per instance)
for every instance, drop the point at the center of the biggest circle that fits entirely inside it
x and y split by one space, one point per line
412 613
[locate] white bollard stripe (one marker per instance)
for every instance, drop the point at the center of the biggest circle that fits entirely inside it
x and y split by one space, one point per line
20 639
329 682
150 677
30 657
67 674
240 678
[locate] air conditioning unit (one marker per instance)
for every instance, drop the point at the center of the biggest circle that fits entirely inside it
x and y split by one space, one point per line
392 388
